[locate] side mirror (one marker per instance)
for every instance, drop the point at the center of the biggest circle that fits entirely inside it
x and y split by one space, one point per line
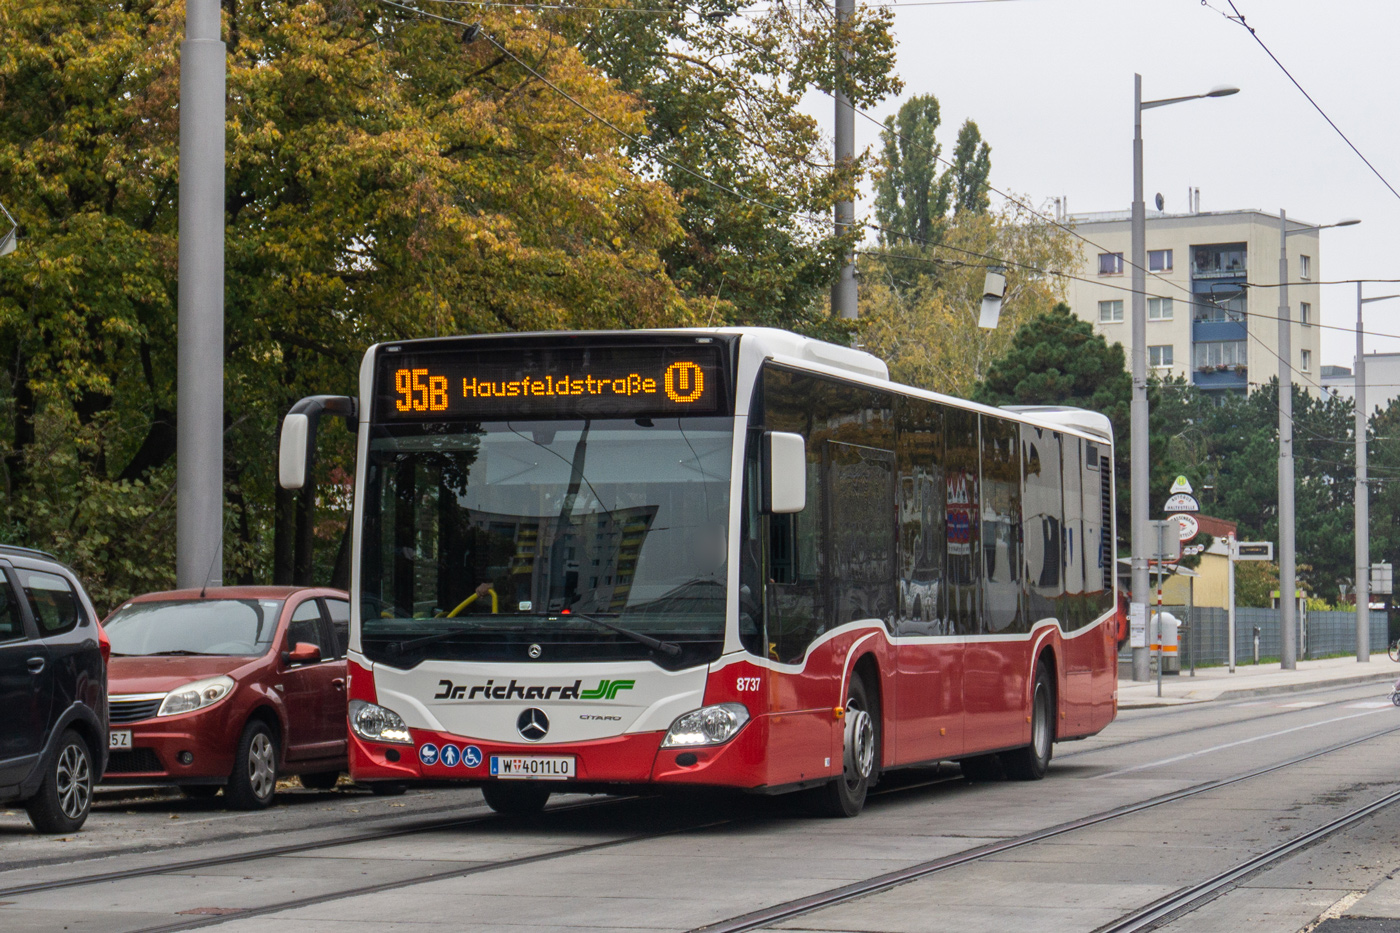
784 473
291 456
298 445
303 652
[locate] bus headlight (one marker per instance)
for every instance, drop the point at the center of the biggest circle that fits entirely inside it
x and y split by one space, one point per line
709 725
195 695
374 723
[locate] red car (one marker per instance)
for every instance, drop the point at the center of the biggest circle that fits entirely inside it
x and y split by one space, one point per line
229 687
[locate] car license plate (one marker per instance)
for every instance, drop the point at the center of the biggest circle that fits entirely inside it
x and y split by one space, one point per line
119 738
536 768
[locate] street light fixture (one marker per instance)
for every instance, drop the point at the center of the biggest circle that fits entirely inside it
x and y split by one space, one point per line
1138 449
1363 493
1287 556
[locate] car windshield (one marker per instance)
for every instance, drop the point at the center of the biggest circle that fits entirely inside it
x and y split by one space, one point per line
516 524
194 626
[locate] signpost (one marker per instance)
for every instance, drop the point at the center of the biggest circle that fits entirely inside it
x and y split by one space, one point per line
1167 535
1243 550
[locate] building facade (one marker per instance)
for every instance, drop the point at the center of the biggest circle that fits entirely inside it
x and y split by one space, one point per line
1212 305
1382 380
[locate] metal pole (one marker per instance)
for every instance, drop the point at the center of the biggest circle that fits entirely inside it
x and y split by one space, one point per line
843 291
1287 570
1138 452
1191 620
1230 600
199 480
1161 560
1363 503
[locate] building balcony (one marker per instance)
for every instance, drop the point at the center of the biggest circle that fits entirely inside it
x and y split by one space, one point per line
1218 377
1211 331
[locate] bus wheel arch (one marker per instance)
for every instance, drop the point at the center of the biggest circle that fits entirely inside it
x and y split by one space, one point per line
1032 760
861 730
1047 657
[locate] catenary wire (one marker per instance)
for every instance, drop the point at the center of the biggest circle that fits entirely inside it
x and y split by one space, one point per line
1239 18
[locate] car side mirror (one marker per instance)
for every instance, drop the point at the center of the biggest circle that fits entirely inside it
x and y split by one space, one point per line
303 652
784 473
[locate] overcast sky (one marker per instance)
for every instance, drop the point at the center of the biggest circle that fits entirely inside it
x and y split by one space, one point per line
1050 83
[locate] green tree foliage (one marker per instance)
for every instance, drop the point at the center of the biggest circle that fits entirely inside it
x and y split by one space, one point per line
913 191
386 178
1255 583
722 91
919 308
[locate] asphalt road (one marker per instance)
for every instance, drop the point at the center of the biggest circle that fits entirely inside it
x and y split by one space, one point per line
1223 816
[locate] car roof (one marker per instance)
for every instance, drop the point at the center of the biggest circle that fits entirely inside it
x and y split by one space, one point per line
239 592
33 555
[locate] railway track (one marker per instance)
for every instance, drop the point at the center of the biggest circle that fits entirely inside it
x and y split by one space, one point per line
1173 905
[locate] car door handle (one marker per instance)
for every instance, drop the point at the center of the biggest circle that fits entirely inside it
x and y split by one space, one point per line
36 665
338 683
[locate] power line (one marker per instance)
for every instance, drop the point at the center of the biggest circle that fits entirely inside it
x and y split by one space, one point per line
1239 18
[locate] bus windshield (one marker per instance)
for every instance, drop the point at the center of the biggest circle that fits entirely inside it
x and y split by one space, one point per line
485 533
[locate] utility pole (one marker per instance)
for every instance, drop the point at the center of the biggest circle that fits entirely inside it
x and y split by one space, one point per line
1138 448
843 291
1363 501
199 484
1287 570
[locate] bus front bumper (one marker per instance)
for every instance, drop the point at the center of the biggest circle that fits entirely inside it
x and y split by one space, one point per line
631 759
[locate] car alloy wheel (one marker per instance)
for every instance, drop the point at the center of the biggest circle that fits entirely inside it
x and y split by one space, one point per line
262 766
73 781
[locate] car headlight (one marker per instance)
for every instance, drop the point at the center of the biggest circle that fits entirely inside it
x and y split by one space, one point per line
196 695
377 724
709 725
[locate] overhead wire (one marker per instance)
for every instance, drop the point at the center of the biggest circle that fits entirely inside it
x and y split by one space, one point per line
1239 18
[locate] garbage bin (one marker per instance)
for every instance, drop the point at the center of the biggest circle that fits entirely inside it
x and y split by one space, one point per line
1165 632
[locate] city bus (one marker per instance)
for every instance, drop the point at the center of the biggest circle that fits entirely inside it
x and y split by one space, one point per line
736 557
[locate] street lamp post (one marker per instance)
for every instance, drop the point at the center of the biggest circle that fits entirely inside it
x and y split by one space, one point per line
1287 557
1363 500
1138 447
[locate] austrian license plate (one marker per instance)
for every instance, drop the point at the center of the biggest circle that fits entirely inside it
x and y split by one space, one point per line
119 738
536 768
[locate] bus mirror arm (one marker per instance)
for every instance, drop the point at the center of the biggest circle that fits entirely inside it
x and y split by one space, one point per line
297 450
784 473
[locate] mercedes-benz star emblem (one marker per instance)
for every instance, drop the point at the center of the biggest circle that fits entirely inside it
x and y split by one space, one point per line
533 724
536 651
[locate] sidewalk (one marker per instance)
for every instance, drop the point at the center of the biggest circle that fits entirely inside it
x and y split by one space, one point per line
1217 683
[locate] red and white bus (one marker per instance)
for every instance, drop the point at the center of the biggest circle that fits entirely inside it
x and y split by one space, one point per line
738 557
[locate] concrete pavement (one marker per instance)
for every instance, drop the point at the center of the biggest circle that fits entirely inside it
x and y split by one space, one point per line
1249 680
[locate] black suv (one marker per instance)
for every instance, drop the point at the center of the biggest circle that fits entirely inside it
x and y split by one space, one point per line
53 691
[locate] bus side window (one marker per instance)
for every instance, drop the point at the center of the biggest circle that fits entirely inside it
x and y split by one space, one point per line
1001 527
963 523
1042 516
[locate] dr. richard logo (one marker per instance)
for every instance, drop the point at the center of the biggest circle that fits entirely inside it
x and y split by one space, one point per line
606 690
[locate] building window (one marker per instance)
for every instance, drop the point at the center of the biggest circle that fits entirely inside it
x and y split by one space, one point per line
1110 263
1159 260
1110 312
1218 261
1220 355
1305 267
1159 357
1307 361
1159 309
1305 314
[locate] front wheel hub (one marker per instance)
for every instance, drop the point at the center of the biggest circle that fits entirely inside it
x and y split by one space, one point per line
859 745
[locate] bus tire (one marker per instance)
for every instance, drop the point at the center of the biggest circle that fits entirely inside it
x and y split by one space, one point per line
1031 762
524 799
845 796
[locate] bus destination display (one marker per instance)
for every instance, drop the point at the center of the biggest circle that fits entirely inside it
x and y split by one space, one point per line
514 383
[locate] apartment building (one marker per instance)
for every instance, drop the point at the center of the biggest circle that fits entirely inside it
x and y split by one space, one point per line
1212 310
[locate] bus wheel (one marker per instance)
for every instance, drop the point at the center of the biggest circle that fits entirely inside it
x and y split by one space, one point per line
515 799
845 796
1031 762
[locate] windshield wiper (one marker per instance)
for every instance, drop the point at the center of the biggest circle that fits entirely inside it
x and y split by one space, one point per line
172 653
667 647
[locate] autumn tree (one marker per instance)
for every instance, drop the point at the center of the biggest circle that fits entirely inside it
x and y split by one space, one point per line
387 177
